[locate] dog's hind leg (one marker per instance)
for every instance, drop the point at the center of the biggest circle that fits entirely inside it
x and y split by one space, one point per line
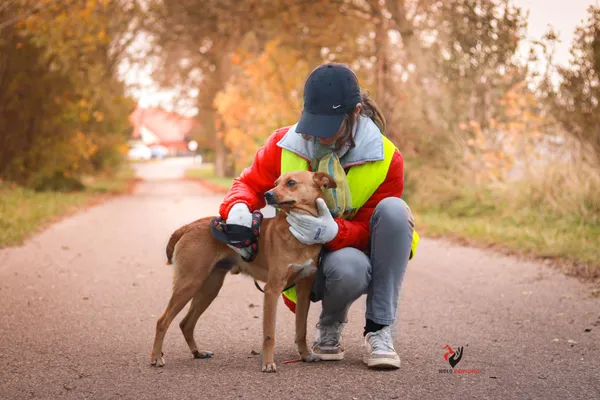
203 298
181 296
184 288
194 258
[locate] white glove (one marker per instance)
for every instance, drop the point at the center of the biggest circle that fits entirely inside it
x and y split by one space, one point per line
310 230
239 214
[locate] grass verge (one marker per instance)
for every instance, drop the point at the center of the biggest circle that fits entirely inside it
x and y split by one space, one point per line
24 212
206 175
572 243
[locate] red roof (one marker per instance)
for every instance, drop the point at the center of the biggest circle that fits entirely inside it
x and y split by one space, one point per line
171 128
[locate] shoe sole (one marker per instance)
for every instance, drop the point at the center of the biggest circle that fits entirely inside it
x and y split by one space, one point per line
382 363
330 357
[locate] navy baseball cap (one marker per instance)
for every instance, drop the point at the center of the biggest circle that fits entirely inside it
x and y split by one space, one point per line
330 92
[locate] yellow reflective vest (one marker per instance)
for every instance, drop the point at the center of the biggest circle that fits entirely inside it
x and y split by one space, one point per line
363 181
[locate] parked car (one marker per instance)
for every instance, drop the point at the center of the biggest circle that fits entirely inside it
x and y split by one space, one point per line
139 152
159 151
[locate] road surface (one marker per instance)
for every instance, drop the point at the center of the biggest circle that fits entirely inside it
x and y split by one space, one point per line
79 302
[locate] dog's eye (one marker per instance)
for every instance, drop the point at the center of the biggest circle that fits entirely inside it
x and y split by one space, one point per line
291 182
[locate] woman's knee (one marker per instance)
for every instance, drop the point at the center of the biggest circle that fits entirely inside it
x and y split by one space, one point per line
347 270
393 211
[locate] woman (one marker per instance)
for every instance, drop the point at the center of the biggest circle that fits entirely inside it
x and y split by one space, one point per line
366 229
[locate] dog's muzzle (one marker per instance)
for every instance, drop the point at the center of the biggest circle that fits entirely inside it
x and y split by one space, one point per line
271 199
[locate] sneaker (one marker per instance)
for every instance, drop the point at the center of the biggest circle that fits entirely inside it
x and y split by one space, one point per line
328 343
379 350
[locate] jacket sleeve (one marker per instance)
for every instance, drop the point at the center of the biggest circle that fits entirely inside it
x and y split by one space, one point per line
355 233
258 178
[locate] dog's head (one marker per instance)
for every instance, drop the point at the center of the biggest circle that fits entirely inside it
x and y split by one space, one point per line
299 191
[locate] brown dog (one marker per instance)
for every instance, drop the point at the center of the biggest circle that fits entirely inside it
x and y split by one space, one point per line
201 263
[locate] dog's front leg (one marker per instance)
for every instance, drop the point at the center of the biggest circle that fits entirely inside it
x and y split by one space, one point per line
303 289
269 315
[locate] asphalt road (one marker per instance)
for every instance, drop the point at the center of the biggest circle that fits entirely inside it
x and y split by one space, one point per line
79 302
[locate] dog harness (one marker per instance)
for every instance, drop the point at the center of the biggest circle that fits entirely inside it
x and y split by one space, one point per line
238 235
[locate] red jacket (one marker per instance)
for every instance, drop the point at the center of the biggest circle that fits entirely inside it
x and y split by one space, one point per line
266 168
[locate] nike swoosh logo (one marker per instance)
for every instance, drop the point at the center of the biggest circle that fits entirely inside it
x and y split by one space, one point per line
336 107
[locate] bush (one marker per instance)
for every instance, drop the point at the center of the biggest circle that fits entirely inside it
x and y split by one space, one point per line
57 183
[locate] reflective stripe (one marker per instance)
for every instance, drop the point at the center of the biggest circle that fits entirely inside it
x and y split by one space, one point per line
363 179
292 162
414 245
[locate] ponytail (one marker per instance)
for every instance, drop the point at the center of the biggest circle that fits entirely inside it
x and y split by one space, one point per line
371 109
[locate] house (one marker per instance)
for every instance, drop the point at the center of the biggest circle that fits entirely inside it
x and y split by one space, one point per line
153 126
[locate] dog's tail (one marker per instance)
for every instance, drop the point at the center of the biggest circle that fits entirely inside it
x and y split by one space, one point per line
173 241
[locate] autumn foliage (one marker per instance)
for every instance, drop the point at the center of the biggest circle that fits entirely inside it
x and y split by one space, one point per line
63 113
469 116
462 106
262 97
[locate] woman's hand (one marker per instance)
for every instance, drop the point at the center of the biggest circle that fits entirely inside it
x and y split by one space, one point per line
240 215
310 230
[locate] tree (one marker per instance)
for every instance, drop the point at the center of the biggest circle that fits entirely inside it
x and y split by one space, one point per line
430 65
261 97
195 41
576 101
460 58
61 106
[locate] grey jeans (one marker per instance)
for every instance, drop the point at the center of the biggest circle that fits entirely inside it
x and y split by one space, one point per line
348 273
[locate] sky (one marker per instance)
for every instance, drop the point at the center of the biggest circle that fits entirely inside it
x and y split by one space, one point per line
562 15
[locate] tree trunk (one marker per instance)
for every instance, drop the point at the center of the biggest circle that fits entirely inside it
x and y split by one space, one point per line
382 62
224 164
211 85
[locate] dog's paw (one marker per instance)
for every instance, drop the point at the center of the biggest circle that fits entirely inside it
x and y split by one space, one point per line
269 367
312 357
158 361
202 354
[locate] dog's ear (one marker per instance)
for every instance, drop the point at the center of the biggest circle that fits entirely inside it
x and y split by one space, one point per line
324 180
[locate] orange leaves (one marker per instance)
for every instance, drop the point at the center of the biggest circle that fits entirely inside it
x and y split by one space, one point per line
263 95
60 78
235 59
68 29
98 116
75 153
512 138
